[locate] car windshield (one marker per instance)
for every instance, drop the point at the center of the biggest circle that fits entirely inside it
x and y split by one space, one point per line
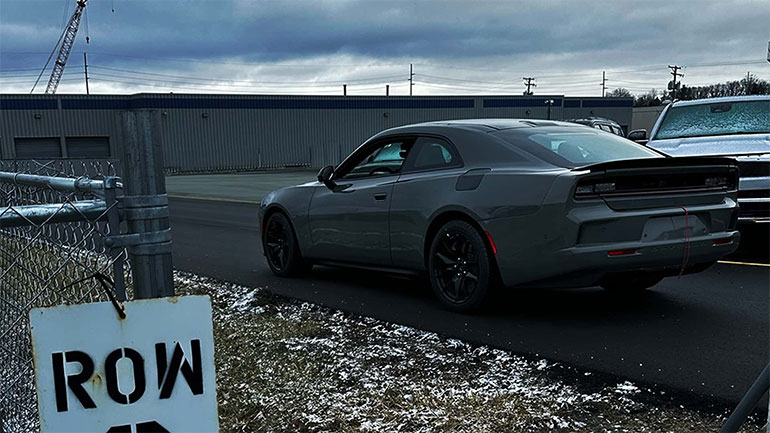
723 118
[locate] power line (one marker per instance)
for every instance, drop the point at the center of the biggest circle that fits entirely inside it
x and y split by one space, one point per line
203 87
459 79
28 82
314 65
281 85
49 60
336 82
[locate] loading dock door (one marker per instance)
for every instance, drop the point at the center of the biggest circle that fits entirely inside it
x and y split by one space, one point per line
88 147
37 147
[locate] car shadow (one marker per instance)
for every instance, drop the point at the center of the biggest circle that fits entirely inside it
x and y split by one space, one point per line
547 304
755 244
591 303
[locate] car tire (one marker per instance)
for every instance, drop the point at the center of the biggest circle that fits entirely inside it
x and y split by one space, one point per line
279 243
630 283
459 266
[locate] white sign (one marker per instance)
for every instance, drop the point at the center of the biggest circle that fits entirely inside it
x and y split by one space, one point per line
150 372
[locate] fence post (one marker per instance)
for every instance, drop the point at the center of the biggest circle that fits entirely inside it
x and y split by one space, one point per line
145 205
748 402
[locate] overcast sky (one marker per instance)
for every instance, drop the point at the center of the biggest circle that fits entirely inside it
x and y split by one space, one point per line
313 47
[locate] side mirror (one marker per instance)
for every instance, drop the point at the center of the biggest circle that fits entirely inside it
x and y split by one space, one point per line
325 176
638 135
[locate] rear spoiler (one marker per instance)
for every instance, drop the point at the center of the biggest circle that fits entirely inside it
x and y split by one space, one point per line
679 161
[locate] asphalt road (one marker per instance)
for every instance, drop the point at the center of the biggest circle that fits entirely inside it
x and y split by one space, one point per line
706 334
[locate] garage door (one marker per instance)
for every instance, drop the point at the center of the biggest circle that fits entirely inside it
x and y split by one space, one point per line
37 147
88 147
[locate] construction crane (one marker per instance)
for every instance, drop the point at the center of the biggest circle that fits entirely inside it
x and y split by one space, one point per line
68 38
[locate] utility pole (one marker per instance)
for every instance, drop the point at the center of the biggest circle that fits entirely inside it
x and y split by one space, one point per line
411 78
530 82
85 70
604 82
387 90
674 85
344 90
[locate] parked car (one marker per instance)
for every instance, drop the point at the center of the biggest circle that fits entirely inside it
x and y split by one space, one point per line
479 203
734 126
602 123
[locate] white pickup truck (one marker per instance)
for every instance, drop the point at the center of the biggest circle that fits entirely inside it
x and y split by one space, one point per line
737 126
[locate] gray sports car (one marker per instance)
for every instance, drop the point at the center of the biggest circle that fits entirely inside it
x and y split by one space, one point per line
476 204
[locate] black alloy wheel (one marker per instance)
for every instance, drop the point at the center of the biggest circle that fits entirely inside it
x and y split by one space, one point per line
281 248
459 266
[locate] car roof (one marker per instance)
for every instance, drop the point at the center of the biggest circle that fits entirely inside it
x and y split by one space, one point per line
489 125
593 119
722 99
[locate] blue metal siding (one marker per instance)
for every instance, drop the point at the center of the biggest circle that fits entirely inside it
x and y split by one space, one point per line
519 102
572 103
616 103
28 104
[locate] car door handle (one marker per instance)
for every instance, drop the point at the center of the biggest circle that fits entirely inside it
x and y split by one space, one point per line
380 196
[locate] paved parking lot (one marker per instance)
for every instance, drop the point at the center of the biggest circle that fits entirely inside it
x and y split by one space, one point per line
242 187
704 335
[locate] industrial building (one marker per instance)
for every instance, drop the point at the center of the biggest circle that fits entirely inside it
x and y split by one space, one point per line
237 132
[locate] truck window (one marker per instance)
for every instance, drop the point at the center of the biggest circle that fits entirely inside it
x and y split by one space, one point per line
723 118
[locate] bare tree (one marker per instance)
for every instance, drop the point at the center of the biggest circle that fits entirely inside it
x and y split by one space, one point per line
620 92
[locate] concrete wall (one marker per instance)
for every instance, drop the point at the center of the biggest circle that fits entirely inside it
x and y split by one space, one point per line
235 132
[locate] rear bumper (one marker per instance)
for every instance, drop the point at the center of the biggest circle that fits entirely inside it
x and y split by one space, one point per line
754 200
754 212
574 251
651 256
583 266
754 209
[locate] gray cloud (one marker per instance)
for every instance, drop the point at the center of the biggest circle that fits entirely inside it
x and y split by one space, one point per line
546 38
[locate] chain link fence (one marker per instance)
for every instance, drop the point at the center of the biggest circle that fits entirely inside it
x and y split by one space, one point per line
54 219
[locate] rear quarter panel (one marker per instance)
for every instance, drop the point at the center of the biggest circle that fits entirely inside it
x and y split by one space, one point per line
419 199
525 241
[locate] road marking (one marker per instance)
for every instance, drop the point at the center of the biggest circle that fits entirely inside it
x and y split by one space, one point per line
728 262
197 197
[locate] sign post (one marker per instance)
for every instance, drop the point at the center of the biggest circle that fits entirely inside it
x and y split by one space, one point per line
152 371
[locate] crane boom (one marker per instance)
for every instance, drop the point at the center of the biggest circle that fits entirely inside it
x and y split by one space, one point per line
70 33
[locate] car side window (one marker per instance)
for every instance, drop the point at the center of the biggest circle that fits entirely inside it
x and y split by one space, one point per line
386 158
432 153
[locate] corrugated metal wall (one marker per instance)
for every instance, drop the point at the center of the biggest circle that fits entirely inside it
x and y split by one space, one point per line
235 132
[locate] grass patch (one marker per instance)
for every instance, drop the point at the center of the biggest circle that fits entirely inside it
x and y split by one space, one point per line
288 366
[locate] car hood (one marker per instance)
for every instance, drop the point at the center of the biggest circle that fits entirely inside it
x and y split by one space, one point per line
727 145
